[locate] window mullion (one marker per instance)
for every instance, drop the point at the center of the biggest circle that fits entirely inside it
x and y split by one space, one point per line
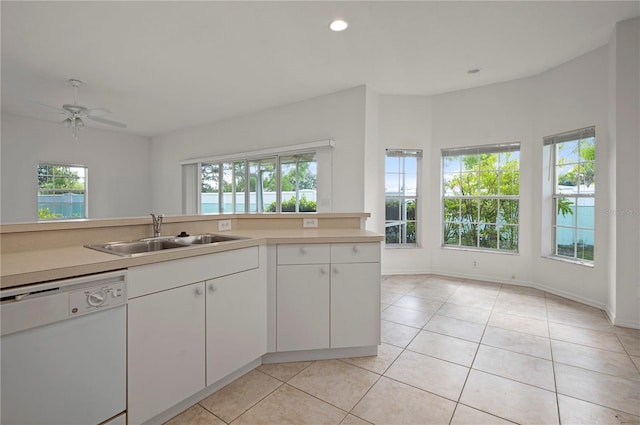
297 185
220 188
278 185
233 186
247 187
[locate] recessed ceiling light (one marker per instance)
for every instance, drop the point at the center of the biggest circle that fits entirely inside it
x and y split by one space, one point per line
338 25
473 71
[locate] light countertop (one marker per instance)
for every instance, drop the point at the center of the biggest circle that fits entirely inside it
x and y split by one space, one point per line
27 267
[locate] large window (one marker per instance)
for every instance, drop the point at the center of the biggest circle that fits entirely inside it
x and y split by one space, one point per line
401 196
573 159
270 184
480 197
62 191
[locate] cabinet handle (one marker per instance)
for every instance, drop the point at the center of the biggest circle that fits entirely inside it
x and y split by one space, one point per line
323 271
355 249
212 287
335 270
303 250
198 291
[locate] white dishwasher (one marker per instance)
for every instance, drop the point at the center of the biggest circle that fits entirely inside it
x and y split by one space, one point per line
63 350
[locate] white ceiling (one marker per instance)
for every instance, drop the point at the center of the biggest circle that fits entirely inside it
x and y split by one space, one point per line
162 66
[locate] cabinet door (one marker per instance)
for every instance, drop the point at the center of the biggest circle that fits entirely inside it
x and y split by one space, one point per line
355 305
302 307
236 322
165 350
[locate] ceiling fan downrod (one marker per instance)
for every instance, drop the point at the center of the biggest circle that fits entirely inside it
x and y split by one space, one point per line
75 122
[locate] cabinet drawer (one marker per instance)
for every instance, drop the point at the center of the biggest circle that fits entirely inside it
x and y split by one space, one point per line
150 278
355 253
304 254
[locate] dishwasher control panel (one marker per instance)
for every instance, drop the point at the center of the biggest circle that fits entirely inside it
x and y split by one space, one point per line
94 298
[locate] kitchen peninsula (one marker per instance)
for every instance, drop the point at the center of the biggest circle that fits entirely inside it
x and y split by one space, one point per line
200 316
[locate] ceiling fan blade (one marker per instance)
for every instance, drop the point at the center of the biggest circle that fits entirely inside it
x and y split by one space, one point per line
98 111
106 121
54 108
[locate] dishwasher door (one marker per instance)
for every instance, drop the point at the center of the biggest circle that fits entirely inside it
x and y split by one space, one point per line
70 372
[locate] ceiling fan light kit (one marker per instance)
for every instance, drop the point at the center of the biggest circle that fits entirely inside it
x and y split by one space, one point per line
75 113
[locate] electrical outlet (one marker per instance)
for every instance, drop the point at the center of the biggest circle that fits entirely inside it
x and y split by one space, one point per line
224 225
309 222
475 264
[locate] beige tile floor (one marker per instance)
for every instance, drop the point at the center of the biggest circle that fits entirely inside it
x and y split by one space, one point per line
454 352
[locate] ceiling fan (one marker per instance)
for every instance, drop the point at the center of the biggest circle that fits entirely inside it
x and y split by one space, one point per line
75 113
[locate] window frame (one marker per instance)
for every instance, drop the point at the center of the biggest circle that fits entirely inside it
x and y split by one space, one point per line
478 198
191 172
402 199
247 175
84 191
552 142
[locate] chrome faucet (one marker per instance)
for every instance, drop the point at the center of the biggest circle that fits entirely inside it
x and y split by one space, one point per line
157 224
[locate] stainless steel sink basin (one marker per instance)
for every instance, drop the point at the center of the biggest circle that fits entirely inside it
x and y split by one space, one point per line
144 246
136 247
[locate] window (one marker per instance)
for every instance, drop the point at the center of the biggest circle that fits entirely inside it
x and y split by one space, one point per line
401 172
298 183
573 163
480 197
270 184
62 191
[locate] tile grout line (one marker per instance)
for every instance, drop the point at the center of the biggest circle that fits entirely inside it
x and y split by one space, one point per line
254 404
466 379
405 348
553 363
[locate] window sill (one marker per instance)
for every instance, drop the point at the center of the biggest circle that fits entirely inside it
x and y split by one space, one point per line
569 260
401 246
487 251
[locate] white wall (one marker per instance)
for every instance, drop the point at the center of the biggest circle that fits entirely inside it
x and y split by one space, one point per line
568 97
493 114
571 96
406 122
119 182
373 164
339 116
625 134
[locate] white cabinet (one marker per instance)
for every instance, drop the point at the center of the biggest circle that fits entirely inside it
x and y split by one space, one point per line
236 322
355 305
355 295
302 307
184 336
166 350
328 296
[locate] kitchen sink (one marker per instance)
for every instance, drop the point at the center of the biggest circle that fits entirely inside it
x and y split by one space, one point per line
136 247
148 245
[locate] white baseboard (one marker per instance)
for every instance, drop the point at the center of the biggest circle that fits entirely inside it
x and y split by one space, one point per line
289 356
626 323
325 354
515 282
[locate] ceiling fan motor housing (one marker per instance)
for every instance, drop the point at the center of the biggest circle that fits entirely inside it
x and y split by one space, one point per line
74 109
